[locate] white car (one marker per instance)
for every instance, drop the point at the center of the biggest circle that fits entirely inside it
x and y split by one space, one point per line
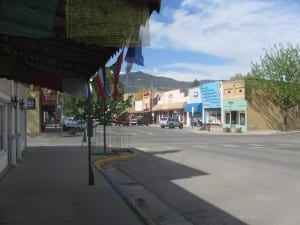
170 122
79 125
163 122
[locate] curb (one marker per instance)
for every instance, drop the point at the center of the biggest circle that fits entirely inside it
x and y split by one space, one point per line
118 187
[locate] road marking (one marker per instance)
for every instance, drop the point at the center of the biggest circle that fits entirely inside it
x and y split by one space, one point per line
257 145
230 146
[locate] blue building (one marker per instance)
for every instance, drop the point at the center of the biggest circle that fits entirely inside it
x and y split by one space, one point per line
211 100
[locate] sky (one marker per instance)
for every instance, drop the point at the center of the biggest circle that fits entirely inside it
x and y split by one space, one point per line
216 39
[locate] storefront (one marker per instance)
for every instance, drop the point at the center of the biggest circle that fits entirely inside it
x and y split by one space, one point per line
171 104
193 108
235 114
12 123
211 100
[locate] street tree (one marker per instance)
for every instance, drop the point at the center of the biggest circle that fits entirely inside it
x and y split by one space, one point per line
195 83
278 76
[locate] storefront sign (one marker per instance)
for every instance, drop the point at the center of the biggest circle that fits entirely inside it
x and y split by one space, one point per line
30 103
210 95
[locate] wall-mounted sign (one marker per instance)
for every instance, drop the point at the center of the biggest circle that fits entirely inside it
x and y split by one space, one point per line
31 103
210 95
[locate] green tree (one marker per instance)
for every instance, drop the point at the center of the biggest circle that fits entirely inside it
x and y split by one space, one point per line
195 83
239 76
102 111
278 76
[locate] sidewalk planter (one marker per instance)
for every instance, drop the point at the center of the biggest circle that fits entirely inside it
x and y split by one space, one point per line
226 130
236 130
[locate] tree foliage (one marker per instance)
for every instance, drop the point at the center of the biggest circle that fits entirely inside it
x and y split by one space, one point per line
102 111
278 75
195 83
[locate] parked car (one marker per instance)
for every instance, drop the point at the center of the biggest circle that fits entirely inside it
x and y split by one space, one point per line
123 121
141 120
170 122
78 125
133 120
163 122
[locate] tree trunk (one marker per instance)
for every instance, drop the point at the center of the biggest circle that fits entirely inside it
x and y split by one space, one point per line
285 120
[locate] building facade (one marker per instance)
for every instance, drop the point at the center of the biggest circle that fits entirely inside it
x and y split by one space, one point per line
171 104
13 96
211 100
193 108
247 109
234 105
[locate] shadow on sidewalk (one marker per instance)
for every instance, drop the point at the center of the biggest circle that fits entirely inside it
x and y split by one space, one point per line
157 174
50 186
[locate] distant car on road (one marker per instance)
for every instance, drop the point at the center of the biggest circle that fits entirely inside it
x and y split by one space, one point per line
123 121
78 125
170 122
133 120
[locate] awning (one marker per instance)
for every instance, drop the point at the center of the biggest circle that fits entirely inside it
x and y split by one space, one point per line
193 107
46 42
169 106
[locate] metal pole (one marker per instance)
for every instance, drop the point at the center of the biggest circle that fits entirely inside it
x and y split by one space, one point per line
104 126
90 134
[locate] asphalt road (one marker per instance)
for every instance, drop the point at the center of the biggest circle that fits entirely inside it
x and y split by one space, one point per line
219 178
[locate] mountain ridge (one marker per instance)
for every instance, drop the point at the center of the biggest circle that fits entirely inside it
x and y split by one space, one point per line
138 80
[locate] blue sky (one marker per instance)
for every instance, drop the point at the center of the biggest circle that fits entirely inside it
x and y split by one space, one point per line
215 39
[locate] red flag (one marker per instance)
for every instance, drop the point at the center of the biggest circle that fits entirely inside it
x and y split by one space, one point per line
117 69
100 84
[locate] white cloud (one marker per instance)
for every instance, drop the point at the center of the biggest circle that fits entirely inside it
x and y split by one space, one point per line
238 30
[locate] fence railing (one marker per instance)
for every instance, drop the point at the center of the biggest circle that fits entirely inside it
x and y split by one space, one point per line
114 140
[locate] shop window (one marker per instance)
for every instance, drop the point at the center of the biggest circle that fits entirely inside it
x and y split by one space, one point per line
227 118
242 118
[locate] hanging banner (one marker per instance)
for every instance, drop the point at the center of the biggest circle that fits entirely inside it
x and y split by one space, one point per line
107 22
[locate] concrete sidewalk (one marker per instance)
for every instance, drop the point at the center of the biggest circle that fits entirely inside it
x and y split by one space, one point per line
50 187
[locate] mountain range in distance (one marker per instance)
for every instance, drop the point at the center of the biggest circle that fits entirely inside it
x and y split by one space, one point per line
135 81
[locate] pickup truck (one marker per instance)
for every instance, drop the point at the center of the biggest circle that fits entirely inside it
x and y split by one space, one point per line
170 122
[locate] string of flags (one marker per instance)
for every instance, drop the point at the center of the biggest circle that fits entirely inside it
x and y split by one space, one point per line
101 84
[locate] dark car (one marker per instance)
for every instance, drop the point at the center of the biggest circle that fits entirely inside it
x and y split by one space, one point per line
141 120
123 121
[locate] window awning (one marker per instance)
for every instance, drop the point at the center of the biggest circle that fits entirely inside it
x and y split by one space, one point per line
193 107
169 106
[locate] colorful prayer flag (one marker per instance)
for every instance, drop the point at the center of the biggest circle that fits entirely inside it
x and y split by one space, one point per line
134 55
117 69
101 82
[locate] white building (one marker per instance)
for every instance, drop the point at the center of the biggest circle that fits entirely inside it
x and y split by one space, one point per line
13 97
171 104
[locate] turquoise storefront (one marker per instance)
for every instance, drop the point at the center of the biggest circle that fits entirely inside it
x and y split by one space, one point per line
235 114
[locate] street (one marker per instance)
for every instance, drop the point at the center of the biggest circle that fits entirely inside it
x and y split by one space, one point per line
219 178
